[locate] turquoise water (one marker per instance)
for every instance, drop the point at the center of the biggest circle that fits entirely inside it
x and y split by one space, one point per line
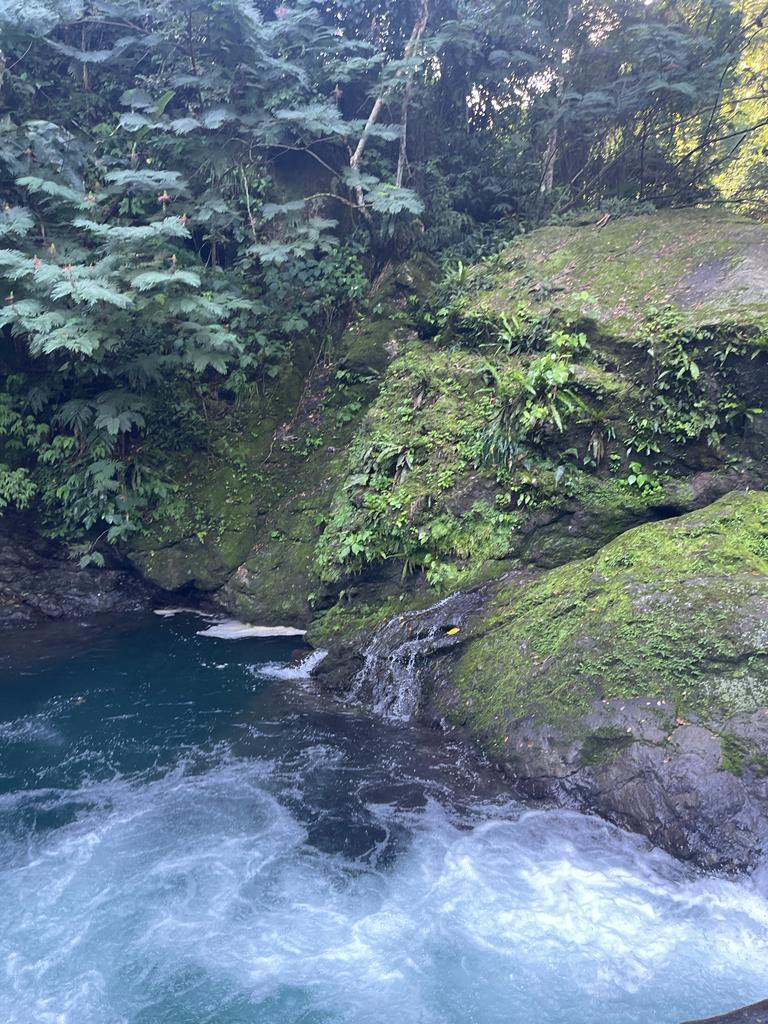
186 838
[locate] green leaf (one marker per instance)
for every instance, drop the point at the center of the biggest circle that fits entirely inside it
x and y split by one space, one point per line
53 189
163 102
153 278
17 221
390 199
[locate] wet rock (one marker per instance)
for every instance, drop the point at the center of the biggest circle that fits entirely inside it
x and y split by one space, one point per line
38 581
757 1013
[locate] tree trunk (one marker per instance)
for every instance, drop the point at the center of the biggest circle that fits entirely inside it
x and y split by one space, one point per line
410 50
553 138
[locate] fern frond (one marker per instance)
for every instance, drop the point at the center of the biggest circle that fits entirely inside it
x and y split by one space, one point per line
153 278
148 181
17 221
169 227
53 189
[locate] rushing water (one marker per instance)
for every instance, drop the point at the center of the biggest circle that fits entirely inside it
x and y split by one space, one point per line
189 836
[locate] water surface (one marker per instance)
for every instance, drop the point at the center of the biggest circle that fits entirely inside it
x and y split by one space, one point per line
189 837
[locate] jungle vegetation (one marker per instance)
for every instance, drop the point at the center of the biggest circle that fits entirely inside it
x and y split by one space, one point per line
190 186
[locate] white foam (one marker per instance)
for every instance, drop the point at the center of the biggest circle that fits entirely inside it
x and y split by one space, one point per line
231 629
30 729
199 890
168 613
299 670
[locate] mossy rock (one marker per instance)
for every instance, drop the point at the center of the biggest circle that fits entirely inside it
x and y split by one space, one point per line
213 526
369 345
675 609
711 265
277 583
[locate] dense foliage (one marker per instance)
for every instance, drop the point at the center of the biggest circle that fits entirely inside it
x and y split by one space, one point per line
196 193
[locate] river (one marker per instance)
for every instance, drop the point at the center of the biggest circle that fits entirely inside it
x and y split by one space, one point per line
190 835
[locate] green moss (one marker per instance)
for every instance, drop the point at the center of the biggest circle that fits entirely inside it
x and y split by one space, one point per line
733 750
369 344
254 498
351 618
390 462
673 609
739 755
635 262
413 490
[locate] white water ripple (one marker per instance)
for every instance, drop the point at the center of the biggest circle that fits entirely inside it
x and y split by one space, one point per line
197 898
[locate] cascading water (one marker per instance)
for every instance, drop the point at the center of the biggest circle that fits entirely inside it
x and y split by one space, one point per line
389 668
187 839
390 674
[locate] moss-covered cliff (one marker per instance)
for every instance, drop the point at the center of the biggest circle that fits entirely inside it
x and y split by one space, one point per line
676 609
526 411
531 424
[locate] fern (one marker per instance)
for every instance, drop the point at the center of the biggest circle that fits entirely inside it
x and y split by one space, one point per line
155 278
90 293
94 56
16 221
54 190
317 118
168 227
148 181
71 337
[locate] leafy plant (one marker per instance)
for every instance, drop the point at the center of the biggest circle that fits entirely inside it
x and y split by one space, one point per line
641 479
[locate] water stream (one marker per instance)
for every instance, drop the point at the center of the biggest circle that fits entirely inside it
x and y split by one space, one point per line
190 835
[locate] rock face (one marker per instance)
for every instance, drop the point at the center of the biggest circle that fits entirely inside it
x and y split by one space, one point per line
633 684
253 505
38 581
755 1014
377 459
709 264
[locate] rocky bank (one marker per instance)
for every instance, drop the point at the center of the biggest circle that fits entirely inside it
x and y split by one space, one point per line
39 581
632 684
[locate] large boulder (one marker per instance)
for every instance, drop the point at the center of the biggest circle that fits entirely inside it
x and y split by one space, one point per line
709 264
755 1014
635 682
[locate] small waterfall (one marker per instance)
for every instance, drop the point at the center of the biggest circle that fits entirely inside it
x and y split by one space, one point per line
391 667
301 669
391 676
